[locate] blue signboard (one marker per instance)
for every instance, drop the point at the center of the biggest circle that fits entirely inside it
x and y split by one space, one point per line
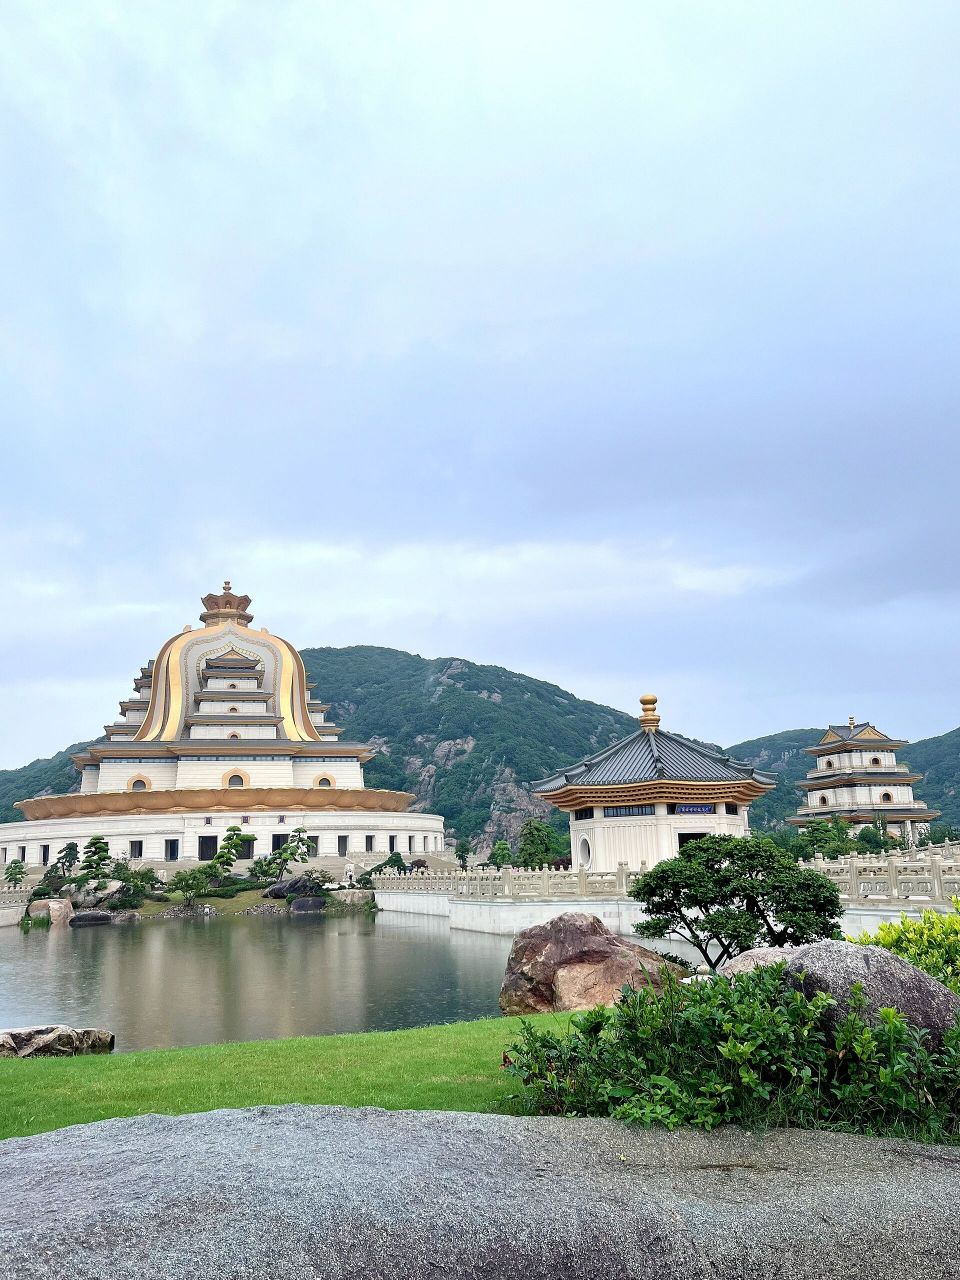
696 808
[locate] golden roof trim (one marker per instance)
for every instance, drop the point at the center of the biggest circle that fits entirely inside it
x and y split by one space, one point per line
105 804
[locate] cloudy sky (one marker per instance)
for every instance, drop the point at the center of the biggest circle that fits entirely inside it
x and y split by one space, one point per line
615 343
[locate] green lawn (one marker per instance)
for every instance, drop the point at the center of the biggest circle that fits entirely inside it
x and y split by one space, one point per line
447 1068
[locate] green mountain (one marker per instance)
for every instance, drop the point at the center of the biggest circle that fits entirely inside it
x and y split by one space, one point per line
468 739
465 738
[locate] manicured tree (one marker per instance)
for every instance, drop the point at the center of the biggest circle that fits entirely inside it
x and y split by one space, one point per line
462 853
501 855
394 863
14 872
295 849
233 846
95 860
68 857
192 883
536 844
727 894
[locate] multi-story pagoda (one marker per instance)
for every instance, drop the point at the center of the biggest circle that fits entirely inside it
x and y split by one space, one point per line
857 778
223 728
640 800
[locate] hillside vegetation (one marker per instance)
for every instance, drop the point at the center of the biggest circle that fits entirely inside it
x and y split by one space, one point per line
468 739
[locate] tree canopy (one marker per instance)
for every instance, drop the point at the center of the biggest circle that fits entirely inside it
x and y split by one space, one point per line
727 894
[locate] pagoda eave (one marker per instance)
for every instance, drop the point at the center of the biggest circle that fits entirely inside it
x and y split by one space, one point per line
830 781
864 816
657 791
229 749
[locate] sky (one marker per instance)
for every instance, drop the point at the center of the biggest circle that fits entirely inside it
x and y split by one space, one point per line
614 343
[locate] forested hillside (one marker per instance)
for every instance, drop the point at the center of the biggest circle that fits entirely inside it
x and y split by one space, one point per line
468 739
465 738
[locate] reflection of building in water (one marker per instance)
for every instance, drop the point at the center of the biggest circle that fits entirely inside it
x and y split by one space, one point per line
857 778
223 728
638 801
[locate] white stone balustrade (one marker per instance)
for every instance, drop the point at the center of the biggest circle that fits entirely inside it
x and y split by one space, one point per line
918 877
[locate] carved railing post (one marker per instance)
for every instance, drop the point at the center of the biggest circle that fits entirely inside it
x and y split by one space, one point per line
893 876
506 875
936 878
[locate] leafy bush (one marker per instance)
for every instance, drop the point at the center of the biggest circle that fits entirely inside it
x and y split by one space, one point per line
751 1051
932 943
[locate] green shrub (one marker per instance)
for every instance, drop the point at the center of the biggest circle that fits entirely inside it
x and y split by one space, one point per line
932 943
750 1051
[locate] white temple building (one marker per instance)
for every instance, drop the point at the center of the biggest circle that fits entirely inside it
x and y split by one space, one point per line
638 801
222 728
857 778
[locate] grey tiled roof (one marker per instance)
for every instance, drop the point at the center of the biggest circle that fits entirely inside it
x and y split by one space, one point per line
651 757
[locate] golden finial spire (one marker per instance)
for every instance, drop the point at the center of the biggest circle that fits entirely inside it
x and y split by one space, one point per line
851 722
649 720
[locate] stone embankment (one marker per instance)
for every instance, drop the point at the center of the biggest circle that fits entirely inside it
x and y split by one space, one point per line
325 1192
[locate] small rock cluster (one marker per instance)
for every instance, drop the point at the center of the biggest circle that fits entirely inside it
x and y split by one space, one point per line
54 1042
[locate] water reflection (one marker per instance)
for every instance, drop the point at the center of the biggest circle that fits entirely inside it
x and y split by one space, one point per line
178 982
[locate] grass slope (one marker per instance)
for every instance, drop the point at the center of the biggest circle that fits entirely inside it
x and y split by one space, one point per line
455 1067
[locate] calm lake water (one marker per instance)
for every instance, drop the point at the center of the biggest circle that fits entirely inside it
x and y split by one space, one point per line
250 978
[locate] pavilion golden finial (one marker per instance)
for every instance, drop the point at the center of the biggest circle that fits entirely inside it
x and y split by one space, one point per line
649 720
226 607
851 721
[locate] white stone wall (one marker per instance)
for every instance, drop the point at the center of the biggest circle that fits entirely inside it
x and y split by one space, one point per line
208 772
218 732
642 842
115 774
344 772
214 707
847 760
248 683
426 830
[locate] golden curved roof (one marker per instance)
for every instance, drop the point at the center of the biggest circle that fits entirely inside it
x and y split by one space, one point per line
178 666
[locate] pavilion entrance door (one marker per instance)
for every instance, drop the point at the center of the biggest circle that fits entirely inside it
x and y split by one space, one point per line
206 848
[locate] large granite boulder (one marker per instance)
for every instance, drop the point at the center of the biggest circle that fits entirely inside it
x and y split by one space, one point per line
325 1192
295 885
128 915
54 1042
90 916
57 910
311 905
887 981
575 962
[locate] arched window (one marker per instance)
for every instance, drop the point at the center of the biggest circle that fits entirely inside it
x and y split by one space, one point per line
585 852
138 784
875 762
235 780
234 735
829 764
233 711
886 798
231 686
324 782
824 800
